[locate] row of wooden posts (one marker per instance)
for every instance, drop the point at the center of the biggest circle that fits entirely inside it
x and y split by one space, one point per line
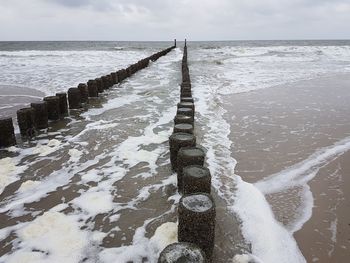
196 210
53 108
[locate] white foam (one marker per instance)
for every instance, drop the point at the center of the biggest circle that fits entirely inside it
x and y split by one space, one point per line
112 104
300 173
34 68
9 171
142 247
44 150
197 203
165 235
28 185
46 238
246 258
74 155
94 202
244 69
270 241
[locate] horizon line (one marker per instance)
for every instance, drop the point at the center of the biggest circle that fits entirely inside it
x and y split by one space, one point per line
221 40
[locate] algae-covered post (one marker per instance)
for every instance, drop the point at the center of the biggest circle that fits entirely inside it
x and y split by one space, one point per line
74 98
62 96
7 133
92 88
41 114
180 118
176 141
99 84
186 99
53 107
197 221
195 179
84 95
183 127
26 122
186 111
188 156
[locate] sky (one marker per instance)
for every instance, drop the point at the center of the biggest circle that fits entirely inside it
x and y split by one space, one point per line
169 19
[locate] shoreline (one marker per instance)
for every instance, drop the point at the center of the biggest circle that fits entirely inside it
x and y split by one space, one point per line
278 127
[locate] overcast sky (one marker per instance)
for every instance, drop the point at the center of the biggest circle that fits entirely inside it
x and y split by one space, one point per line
168 19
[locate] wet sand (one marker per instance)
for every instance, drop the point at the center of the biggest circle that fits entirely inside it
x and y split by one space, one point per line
278 128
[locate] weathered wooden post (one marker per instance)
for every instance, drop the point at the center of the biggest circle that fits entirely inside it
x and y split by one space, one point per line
186 111
182 252
41 114
186 105
92 88
183 127
180 118
105 82
188 156
53 107
197 221
7 133
26 122
176 141
84 95
196 178
74 98
114 77
99 85
186 99
62 96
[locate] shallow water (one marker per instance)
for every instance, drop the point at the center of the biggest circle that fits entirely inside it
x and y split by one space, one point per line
101 181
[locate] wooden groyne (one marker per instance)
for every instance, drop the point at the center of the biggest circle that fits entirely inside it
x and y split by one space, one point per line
54 108
196 209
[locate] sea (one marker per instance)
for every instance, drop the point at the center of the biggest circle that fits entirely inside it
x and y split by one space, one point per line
272 116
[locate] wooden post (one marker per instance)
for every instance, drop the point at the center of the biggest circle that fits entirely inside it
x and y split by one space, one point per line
176 141
62 96
7 133
53 107
41 114
197 221
26 122
188 156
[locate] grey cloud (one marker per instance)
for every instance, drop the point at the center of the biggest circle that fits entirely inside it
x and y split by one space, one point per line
164 19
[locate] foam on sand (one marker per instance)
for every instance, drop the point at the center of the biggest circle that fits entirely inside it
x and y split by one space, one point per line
142 247
94 202
28 185
9 171
52 237
46 149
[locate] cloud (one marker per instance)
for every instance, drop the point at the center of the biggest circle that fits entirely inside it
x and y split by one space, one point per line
166 19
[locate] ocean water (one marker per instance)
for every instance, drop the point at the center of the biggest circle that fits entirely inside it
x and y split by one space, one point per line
98 187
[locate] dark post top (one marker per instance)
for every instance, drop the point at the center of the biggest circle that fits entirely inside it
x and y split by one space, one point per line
185 42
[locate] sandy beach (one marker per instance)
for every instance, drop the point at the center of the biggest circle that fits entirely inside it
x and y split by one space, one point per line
276 130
